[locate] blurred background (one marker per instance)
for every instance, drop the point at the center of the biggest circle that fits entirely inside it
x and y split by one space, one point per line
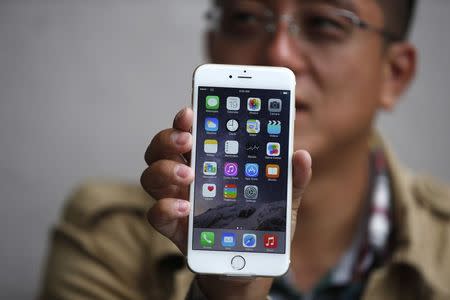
85 84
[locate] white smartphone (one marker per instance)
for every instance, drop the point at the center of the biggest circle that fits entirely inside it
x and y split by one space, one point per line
240 221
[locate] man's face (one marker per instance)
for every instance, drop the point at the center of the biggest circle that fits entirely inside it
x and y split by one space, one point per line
339 83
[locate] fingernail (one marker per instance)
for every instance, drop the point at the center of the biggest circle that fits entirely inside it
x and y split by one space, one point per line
180 114
183 206
182 171
180 138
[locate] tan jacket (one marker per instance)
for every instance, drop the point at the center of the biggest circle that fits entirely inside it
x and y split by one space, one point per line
103 247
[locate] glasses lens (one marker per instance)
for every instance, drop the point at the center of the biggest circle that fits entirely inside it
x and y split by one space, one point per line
244 20
322 25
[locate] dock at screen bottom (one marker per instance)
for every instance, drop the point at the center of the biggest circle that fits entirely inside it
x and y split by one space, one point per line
239 240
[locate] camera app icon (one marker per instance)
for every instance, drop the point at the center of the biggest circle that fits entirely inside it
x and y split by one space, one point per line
275 105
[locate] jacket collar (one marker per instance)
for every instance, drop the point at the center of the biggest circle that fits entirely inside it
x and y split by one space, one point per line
413 246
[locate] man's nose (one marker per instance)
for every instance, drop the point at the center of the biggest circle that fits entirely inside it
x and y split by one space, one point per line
284 50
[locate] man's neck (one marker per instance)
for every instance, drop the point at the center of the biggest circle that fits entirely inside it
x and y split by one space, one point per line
329 214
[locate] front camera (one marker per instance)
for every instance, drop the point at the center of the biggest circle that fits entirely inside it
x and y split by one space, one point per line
231 76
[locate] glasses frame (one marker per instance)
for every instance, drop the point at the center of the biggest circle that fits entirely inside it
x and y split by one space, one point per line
215 13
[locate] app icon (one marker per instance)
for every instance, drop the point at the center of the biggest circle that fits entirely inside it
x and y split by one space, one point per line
252 148
232 125
212 102
254 104
207 239
272 171
211 124
274 127
209 168
253 126
273 149
251 170
249 240
228 239
251 192
233 103
209 190
274 105
210 146
230 169
270 241
230 191
231 147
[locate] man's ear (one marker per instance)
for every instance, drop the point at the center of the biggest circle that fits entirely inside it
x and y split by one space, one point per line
399 70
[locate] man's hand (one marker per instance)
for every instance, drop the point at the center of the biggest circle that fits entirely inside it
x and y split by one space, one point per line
167 179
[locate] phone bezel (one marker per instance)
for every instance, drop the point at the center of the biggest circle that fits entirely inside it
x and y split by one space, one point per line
251 77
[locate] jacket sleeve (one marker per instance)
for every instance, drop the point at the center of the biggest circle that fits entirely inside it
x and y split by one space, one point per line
103 248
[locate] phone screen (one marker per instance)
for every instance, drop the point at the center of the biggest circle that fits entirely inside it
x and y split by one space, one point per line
242 150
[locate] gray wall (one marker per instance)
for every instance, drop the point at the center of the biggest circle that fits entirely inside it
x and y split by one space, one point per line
85 84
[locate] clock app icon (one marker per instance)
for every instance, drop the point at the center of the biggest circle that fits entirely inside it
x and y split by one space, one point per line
232 125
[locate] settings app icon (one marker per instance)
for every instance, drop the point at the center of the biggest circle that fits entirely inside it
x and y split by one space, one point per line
251 192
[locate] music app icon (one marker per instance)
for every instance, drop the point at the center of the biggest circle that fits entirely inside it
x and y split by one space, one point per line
270 241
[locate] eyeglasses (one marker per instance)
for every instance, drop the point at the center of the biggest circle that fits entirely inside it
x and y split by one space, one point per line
319 25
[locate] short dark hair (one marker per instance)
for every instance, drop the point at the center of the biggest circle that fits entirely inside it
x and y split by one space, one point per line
399 15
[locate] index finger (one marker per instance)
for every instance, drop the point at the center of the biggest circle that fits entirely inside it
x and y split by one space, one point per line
183 120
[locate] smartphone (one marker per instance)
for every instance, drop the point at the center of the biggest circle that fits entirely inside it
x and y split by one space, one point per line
240 221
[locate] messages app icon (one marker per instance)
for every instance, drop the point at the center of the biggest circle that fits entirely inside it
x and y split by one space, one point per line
212 102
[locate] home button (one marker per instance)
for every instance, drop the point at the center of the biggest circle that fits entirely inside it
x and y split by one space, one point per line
238 262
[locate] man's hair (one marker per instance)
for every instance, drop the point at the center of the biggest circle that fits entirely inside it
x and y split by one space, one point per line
399 15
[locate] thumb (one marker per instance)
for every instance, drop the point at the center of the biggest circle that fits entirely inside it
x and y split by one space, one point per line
302 172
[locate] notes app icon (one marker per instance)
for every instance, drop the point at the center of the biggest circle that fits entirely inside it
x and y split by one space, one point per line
210 146
270 241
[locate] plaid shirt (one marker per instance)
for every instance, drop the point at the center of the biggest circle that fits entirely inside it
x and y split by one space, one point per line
368 250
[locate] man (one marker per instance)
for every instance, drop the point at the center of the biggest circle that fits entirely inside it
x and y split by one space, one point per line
367 229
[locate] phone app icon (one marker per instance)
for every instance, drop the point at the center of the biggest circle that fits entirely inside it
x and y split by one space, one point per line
209 190
230 169
251 192
254 104
209 168
207 239
232 125
228 239
275 105
252 148
231 147
273 149
253 126
233 103
272 171
211 124
251 170
249 240
270 241
274 127
212 102
210 146
230 191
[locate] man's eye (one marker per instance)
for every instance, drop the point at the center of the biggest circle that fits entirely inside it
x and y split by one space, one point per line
243 18
322 23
